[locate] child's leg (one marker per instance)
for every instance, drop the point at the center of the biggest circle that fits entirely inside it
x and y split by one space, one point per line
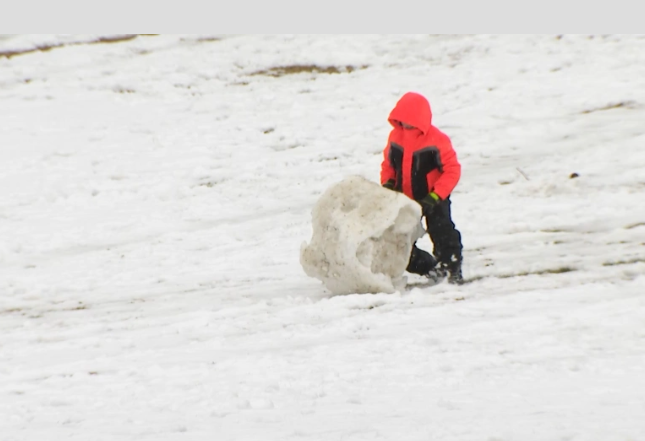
445 237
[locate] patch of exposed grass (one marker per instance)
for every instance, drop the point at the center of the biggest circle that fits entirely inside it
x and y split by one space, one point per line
625 104
9 54
625 262
208 39
114 39
294 69
561 270
639 224
48 47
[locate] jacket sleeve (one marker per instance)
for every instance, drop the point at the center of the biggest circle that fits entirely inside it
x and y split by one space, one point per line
451 170
387 171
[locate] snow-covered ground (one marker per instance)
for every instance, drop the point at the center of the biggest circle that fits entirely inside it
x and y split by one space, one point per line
155 192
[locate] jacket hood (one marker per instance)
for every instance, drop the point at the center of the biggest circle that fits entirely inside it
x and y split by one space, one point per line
413 109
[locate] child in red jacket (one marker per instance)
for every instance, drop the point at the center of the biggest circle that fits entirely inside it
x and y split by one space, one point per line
420 162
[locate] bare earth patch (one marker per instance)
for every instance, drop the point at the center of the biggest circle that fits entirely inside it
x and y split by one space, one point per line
48 47
625 104
280 71
625 262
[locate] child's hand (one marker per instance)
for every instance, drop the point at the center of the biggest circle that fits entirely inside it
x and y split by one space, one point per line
430 202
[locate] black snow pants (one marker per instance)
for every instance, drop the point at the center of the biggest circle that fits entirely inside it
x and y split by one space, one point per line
446 240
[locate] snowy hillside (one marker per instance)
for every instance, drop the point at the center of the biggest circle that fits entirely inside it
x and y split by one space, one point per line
155 192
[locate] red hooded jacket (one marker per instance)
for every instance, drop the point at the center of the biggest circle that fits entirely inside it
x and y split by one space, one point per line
419 160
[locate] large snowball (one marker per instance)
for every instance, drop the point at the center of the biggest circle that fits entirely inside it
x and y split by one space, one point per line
362 237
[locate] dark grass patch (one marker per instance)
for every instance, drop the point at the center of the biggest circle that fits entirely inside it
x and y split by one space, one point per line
561 270
294 69
625 262
200 40
621 104
48 47
208 39
639 224
114 39
10 54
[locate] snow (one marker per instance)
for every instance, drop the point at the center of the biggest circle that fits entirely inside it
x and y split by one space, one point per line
362 238
156 191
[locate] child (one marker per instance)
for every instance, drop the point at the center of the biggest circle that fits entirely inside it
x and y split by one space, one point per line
420 162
